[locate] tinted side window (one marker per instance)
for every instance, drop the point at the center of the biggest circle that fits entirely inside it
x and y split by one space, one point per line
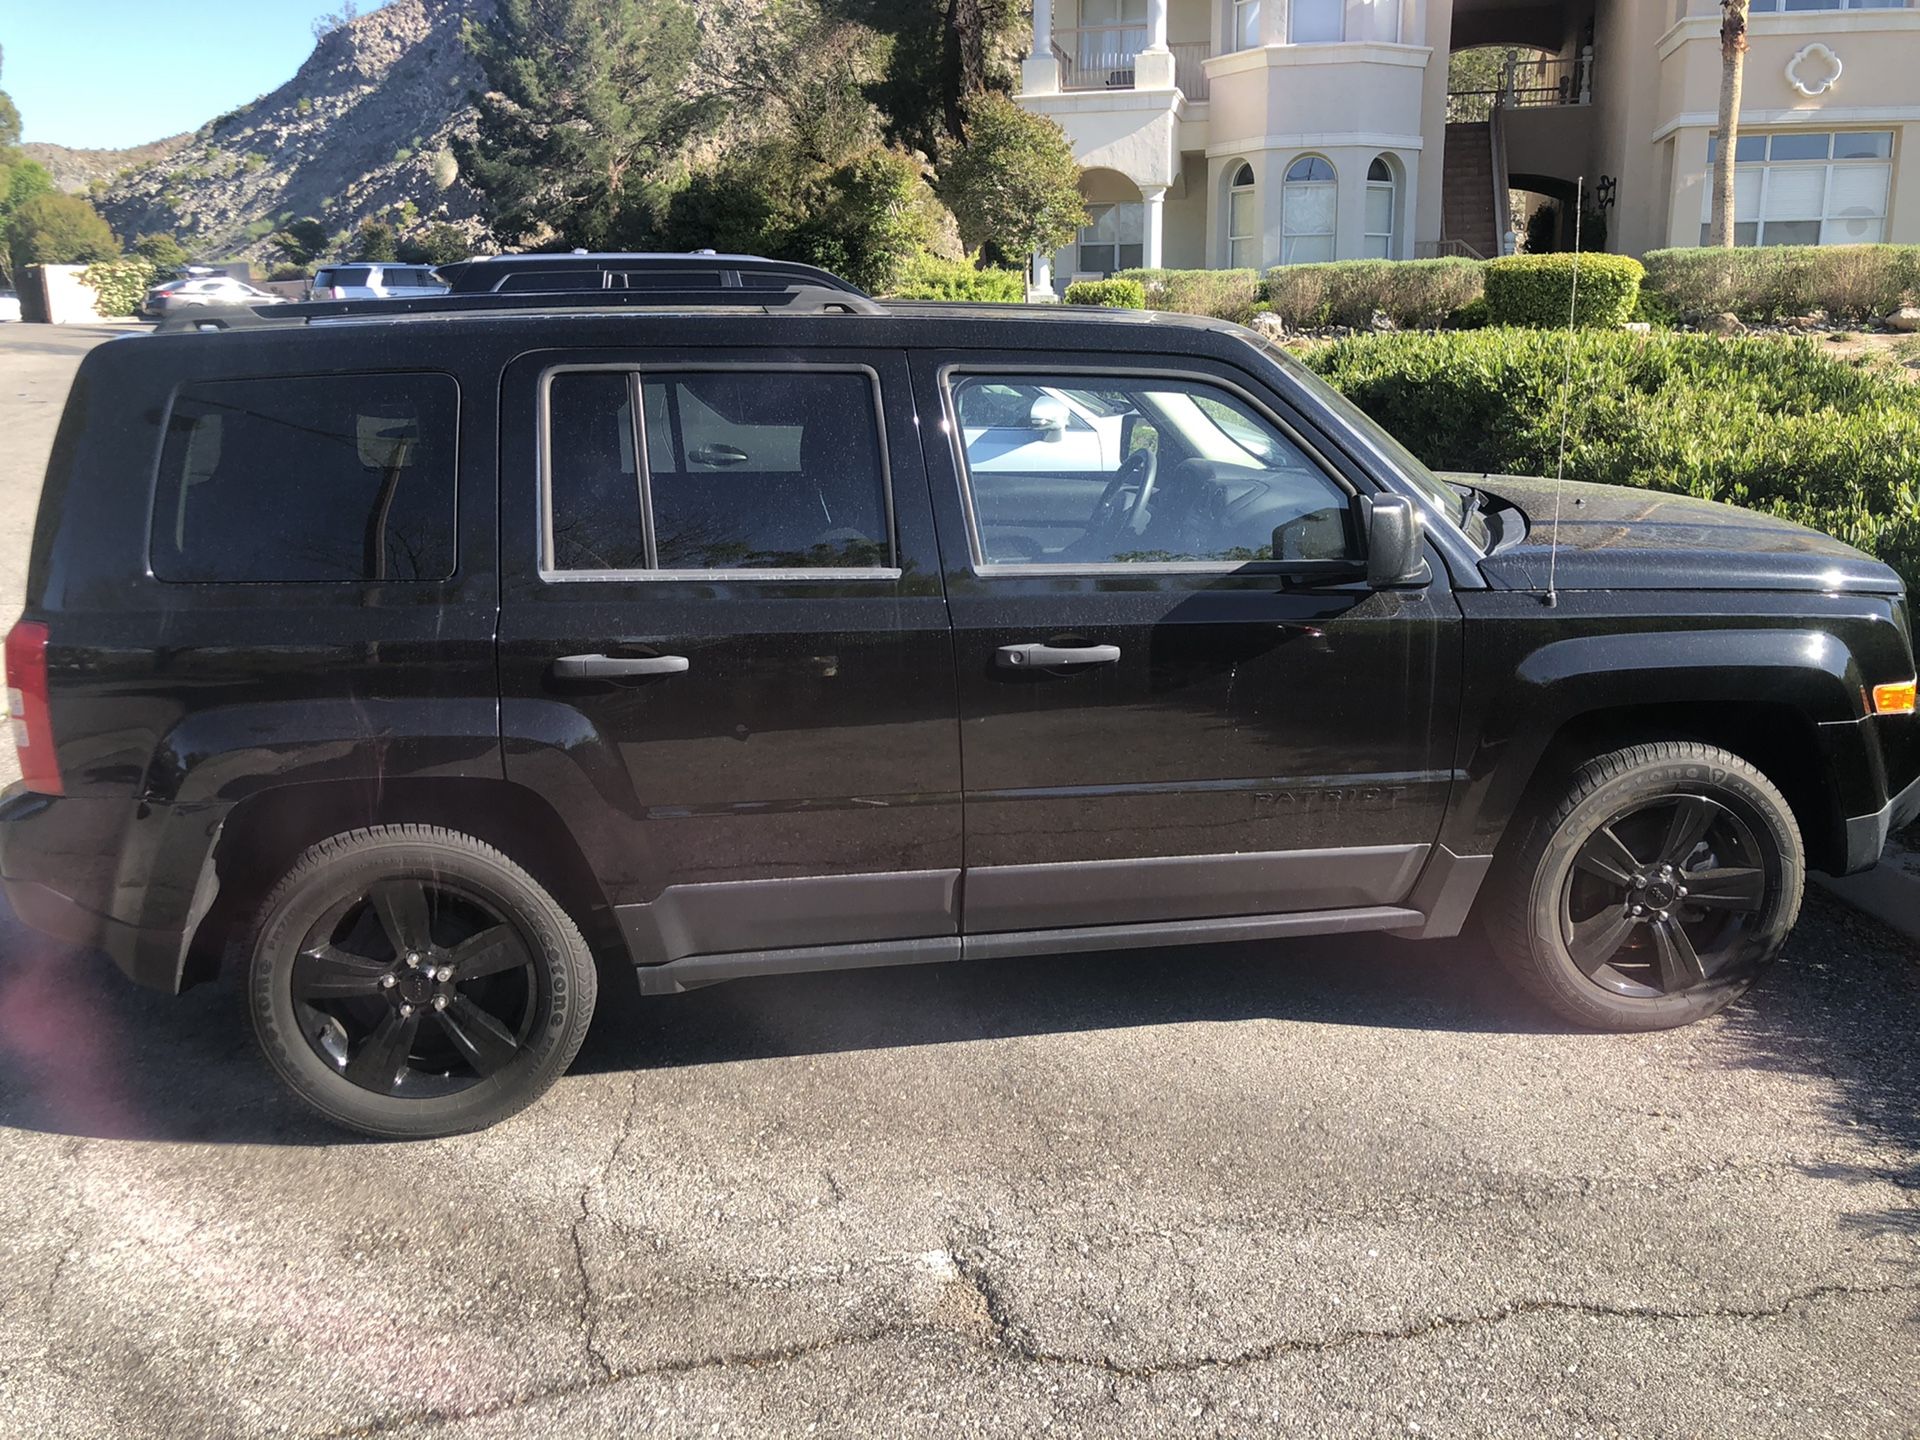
308 478
359 275
745 470
543 281
1077 470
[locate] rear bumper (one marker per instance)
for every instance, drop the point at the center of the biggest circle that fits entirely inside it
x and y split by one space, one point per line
131 879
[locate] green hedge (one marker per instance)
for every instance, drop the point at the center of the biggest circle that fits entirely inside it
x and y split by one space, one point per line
1121 294
1539 289
119 285
1411 293
1765 283
1779 427
1224 294
927 277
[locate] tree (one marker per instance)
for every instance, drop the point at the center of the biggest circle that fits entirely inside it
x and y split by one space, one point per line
1733 64
9 119
1014 185
302 242
440 244
162 250
587 109
373 241
59 229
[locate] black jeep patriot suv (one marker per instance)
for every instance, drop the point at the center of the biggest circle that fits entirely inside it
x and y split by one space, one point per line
434 654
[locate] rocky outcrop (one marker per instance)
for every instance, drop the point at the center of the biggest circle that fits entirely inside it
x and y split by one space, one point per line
364 126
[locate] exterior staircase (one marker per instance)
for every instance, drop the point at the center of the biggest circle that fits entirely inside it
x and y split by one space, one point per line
1467 199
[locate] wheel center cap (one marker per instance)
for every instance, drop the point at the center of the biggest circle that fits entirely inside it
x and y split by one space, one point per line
1660 894
416 987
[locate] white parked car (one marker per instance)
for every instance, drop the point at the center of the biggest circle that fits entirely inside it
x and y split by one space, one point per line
366 280
199 291
9 305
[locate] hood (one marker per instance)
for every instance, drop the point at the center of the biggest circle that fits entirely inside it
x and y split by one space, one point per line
1615 538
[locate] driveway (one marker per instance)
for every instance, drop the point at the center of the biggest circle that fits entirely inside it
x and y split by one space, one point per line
1336 1187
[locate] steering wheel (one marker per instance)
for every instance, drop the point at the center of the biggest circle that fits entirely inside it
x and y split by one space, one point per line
1111 513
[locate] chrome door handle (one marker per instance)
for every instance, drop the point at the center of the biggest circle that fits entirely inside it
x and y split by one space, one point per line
1038 656
616 667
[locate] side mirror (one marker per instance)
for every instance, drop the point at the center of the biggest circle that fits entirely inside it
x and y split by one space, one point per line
1049 417
1395 554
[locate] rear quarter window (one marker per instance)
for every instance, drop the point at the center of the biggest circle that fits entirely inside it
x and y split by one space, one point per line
317 479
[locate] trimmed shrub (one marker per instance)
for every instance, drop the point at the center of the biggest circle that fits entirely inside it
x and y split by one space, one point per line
1776 426
119 285
1538 290
1765 283
1121 294
928 277
1224 294
1411 293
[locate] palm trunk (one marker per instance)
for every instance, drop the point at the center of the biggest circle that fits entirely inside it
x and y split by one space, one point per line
1733 64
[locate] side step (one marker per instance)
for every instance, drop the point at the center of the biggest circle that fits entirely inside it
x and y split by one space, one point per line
694 971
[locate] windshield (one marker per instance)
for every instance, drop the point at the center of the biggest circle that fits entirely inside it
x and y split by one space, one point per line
1458 503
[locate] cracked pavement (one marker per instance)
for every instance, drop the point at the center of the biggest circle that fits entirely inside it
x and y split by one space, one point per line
1342 1187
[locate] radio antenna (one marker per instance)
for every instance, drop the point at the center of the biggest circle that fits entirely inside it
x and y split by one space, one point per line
1566 397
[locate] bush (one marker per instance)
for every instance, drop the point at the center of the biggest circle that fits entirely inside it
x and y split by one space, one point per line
1779 427
1224 294
166 252
1412 293
927 277
1849 282
1120 294
438 244
119 285
1538 290
56 229
374 240
1013 183
288 272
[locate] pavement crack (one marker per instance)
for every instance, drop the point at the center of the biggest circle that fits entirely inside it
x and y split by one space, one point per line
589 1319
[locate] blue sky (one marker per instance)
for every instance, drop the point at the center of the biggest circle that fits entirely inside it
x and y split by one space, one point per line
109 73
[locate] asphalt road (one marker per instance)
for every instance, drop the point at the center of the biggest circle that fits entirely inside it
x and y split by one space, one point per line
1338 1187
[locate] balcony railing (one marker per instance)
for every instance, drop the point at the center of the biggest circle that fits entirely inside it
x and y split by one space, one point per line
1101 57
1528 84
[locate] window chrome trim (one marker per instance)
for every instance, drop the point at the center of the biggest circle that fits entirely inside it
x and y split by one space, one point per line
636 373
989 569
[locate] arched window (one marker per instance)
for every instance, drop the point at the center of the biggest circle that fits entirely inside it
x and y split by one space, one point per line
1306 212
1243 221
1380 210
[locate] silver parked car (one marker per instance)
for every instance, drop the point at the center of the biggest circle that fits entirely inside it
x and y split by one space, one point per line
198 291
9 305
367 280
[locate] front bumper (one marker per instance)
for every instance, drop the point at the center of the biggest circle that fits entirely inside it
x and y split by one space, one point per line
128 878
1867 834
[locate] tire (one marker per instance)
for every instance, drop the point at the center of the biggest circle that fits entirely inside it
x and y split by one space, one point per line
487 1013
1632 829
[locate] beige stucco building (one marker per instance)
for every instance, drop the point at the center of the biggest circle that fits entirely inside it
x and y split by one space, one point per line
1265 132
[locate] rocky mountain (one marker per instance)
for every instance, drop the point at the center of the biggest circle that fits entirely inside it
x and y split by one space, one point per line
75 171
363 127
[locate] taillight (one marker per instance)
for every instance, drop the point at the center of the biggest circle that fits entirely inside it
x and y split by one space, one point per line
27 705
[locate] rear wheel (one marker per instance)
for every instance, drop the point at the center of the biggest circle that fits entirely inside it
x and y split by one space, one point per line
410 982
1654 891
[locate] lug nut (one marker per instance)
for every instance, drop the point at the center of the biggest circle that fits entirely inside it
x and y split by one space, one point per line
387 982
1682 892
413 958
445 972
439 1002
405 1010
1639 882
1639 909
1663 914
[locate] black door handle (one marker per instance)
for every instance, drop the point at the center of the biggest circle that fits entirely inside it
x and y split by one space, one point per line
1045 657
615 667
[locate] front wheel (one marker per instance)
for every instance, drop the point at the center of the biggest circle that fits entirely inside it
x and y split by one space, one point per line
409 982
1654 891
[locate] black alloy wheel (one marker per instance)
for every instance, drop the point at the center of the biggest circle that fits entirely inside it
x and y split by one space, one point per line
410 982
415 988
1662 898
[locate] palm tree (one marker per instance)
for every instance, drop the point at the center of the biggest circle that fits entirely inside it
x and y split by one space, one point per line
1733 64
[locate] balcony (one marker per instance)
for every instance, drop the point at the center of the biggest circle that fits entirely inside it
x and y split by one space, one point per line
1101 57
1528 83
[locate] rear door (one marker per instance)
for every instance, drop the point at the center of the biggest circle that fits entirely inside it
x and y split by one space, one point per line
724 647
1177 699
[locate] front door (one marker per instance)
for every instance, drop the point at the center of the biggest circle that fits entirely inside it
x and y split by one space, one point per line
1176 700
724 651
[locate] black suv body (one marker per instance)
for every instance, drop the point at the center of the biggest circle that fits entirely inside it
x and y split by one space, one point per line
435 656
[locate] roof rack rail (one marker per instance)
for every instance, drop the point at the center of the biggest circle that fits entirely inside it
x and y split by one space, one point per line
790 300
